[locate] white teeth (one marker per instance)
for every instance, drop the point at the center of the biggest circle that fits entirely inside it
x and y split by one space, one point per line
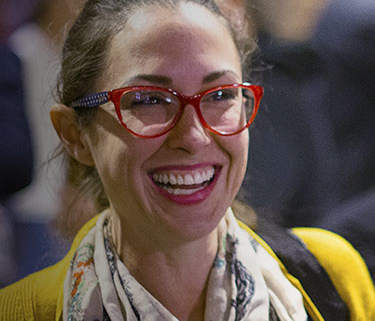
210 173
180 180
179 191
198 178
188 179
172 179
169 190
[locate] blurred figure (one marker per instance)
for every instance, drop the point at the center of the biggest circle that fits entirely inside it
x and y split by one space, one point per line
313 145
14 13
38 53
37 42
16 156
354 219
282 174
345 39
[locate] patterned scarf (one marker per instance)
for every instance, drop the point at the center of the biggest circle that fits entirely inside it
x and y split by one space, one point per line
245 282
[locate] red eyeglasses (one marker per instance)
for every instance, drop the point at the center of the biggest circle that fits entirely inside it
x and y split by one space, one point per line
149 111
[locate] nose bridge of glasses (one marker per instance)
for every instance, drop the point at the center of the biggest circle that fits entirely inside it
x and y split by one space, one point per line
188 118
192 101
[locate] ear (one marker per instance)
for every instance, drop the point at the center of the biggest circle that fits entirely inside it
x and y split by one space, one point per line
64 121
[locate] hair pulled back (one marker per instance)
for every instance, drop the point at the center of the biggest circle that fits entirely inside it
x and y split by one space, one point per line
83 62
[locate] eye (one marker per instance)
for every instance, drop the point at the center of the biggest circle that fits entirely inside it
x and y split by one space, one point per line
137 99
222 95
150 98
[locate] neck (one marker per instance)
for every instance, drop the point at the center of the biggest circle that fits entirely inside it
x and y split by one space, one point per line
174 272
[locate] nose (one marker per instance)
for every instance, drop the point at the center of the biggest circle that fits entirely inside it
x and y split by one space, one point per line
189 134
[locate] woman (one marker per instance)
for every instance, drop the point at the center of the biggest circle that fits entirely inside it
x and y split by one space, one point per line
170 149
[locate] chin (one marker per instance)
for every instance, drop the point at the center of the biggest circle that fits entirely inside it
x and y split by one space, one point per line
194 227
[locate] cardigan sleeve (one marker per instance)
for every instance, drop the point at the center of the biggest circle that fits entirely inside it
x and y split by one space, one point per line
16 301
346 269
39 296
34 297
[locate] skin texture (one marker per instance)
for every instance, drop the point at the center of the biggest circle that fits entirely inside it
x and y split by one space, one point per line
169 247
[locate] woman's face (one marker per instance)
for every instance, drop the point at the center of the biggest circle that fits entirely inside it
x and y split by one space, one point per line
189 50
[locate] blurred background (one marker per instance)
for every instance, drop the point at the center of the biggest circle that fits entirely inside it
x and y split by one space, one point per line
312 146
32 34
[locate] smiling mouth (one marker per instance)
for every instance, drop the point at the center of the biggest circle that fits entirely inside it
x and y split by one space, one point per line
180 183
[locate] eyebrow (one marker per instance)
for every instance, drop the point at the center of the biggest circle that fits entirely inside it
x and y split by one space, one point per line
156 79
167 81
216 75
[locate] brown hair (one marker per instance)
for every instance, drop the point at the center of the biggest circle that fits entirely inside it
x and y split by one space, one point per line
84 59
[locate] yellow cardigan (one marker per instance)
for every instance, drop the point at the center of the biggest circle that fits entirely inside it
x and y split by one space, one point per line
40 295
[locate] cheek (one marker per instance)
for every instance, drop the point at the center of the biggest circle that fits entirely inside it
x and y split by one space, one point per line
111 159
241 163
240 157
236 148
119 158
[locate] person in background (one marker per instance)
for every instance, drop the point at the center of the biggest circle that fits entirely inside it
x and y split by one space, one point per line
354 219
16 156
37 42
154 109
284 173
345 39
313 147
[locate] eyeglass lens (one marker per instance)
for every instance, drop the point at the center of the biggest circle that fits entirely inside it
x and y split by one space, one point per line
150 112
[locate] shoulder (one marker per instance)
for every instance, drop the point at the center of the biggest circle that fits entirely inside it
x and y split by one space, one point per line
39 296
346 269
36 295
317 261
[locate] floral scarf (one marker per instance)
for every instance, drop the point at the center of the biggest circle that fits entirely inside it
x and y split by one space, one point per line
245 282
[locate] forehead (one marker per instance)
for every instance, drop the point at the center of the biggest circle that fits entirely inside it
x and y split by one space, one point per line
184 25
183 35
183 12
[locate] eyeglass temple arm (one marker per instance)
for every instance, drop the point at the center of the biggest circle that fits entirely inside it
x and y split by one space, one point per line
93 100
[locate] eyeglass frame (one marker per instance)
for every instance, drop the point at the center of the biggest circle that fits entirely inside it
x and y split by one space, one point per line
114 96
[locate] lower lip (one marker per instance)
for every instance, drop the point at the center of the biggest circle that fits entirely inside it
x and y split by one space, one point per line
190 199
